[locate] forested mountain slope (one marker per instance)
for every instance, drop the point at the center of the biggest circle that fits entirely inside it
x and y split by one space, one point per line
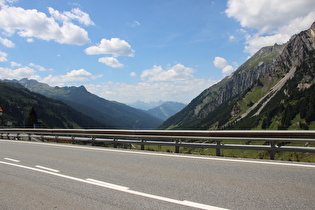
18 102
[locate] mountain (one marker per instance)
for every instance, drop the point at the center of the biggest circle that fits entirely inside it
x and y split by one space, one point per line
18 102
167 109
274 89
108 112
146 105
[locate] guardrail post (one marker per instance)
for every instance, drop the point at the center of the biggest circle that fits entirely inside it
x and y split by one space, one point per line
115 144
93 141
72 140
142 144
272 150
29 137
177 146
218 151
56 138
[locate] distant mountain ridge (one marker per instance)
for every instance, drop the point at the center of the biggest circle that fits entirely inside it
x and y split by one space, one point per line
274 89
166 110
17 102
111 113
146 105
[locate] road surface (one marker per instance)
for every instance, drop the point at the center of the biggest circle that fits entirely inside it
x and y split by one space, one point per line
62 176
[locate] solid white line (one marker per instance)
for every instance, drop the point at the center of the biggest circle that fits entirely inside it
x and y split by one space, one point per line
13 160
108 185
48 169
119 188
169 155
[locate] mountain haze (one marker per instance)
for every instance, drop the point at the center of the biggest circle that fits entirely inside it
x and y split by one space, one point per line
274 89
167 109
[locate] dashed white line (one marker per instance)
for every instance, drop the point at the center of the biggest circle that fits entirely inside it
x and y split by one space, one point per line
48 169
117 187
13 160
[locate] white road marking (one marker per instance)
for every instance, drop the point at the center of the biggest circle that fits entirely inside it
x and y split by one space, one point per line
169 155
13 160
119 188
48 169
108 185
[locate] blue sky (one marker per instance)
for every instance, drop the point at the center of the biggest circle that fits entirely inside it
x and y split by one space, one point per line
147 50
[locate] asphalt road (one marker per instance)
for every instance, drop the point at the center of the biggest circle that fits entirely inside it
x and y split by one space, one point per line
61 176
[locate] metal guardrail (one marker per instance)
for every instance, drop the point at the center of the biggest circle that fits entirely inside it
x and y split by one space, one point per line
179 138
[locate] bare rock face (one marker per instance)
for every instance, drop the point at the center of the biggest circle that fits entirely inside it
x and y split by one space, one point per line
260 64
298 48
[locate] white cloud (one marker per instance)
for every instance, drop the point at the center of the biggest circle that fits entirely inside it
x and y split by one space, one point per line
222 64
6 42
175 83
40 68
15 64
176 73
79 75
114 46
3 56
274 21
31 23
133 74
30 40
135 24
168 91
75 14
20 73
111 61
232 37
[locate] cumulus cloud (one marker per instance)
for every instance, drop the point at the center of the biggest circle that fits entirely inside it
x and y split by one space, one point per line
19 73
31 23
222 64
79 75
127 93
3 56
6 42
177 72
111 61
274 21
114 46
173 83
75 14
15 64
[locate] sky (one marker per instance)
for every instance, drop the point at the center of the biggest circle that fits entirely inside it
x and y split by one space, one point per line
147 50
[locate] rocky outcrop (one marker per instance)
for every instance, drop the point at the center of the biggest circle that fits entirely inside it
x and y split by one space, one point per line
244 77
298 47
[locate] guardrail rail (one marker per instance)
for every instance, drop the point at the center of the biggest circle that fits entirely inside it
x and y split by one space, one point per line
272 141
